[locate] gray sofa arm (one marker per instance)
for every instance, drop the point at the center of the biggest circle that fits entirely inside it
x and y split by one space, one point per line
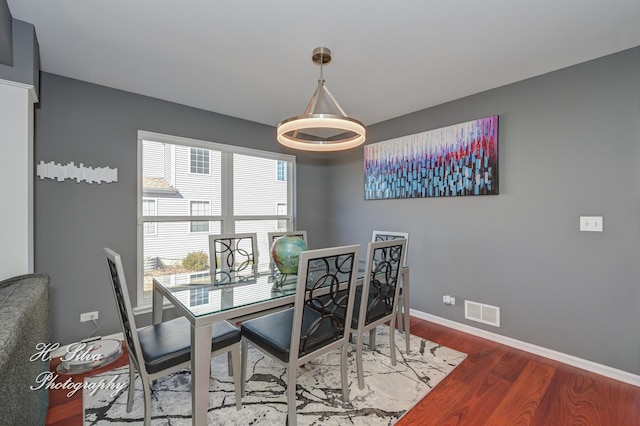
24 319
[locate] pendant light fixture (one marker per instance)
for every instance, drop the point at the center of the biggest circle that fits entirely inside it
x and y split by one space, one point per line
329 130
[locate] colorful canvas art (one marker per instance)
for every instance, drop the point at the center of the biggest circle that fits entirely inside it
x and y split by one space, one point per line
457 160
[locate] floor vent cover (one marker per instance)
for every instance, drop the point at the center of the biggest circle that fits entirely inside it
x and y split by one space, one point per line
480 312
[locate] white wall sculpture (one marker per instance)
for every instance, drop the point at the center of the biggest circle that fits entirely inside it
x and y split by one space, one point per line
80 173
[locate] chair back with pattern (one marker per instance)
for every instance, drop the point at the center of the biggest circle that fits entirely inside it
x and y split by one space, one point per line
391 235
271 236
327 278
123 303
380 291
233 252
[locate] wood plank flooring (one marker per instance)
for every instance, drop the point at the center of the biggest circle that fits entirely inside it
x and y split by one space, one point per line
500 385
65 410
495 385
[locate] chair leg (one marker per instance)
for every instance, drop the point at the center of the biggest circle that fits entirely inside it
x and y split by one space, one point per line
230 364
343 373
372 338
392 340
146 388
407 334
359 345
291 395
132 384
399 316
243 364
234 354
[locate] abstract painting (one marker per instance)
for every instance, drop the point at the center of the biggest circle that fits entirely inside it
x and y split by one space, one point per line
452 161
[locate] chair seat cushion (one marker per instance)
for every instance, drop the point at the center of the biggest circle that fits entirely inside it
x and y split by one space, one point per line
273 332
169 343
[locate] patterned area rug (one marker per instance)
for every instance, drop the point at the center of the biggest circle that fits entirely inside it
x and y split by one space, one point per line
389 390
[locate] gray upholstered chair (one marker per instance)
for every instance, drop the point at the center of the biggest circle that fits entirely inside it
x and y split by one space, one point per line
377 300
311 328
162 349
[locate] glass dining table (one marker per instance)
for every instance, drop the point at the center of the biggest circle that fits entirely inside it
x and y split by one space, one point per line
207 297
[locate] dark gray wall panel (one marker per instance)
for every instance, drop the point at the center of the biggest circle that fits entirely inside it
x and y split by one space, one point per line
6 36
98 126
569 146
26 56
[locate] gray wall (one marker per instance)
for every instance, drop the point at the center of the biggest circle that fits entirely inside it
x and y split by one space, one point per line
98 126
569 145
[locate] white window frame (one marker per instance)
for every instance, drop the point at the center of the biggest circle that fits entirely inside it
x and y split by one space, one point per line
196 172
155 212
281 220
278 173
201 294
226 218
190 212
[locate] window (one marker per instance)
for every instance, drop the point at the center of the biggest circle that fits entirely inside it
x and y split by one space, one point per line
190 189
149 209
200 208
198 296
281 171
200 161
281 210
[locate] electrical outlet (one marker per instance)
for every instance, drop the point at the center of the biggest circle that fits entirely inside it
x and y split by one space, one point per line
89 316
591 223
448 300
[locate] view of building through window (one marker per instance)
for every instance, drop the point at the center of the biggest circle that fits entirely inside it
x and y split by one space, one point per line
182 203
199 208
282 171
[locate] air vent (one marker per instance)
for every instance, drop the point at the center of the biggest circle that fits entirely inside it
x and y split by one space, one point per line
480 312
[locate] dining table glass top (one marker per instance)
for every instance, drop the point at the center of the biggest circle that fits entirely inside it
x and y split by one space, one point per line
203 293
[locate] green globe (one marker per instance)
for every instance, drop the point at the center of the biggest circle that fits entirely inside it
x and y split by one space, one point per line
285 252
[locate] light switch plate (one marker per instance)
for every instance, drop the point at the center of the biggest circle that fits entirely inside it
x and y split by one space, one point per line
591 223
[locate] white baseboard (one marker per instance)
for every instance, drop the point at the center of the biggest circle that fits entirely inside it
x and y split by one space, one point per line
613 373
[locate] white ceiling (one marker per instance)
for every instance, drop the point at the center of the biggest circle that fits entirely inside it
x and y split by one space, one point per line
252 58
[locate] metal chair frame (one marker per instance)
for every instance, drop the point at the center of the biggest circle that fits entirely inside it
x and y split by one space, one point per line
233 257
387 236
385 260
316 283
134 348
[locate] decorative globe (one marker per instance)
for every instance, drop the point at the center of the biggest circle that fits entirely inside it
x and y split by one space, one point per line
285 252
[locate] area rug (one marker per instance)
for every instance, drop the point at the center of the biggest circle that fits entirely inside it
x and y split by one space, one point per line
390 391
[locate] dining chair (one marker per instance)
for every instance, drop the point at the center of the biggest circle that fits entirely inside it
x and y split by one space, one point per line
394 235
376 301
162 349
311 328
233 253
390 235
271 236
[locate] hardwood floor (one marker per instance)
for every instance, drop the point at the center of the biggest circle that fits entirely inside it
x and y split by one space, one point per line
495 385
500 385
65 410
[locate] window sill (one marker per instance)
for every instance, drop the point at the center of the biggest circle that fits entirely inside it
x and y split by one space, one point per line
147 308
